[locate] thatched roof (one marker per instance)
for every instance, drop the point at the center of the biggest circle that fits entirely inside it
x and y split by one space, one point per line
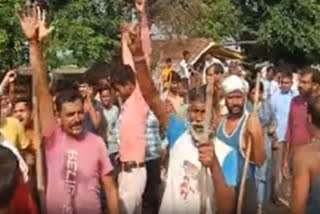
196 46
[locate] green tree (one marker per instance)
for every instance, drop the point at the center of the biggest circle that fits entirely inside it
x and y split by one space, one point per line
85 31
221 21
13 50
284 29
178 17
291 30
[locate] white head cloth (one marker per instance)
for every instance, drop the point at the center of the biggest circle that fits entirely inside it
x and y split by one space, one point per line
234 83
22 164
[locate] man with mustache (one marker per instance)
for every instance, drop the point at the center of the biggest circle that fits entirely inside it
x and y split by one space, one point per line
182 193
297 132
236 128
77 161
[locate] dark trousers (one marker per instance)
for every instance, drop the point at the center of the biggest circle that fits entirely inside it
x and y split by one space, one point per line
151 195
250 203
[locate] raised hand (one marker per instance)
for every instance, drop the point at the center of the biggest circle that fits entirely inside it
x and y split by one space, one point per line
133 39
140 5
33 23
11 75
44 30
29 23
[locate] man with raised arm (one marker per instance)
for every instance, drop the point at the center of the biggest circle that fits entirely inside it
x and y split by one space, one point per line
186 155
224 159
73 177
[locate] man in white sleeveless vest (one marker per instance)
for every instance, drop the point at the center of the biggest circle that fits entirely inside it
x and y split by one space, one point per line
235 129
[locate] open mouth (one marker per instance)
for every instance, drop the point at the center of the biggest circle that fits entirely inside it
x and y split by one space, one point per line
198 128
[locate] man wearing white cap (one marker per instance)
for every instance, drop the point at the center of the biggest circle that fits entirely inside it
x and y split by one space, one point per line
236 128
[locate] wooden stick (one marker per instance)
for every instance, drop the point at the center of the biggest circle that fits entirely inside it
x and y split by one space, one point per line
248 151
204 137
39 152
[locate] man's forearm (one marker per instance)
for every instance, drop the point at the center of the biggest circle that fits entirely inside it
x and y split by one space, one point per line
112 199
150 93
46 112
145 37
95 116
225 196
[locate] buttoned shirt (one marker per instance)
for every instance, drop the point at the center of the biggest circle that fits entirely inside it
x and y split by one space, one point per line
280 103
133 122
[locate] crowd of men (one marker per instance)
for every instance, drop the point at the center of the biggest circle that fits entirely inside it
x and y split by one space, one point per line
127 145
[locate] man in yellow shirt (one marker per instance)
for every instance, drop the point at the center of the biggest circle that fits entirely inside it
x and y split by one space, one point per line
167 71
13 131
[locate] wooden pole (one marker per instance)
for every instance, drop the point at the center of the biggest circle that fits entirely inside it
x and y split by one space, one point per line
248 151
39 152
204 137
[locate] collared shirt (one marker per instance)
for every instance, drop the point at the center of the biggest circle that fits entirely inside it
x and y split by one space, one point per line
280 103
153 138
297 133
133 122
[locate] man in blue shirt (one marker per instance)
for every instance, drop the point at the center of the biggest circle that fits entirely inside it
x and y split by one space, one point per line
280 103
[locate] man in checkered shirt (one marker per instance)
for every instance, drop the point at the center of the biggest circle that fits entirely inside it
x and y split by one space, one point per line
151 194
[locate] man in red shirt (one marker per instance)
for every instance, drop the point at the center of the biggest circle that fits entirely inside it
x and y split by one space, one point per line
297 133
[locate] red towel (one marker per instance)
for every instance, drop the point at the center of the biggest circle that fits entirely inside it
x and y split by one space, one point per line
22 202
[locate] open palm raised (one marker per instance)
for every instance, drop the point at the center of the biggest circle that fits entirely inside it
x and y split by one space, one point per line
34 25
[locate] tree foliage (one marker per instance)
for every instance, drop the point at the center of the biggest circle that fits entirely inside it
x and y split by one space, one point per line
85 31
221 21
13 50
291 30
178 17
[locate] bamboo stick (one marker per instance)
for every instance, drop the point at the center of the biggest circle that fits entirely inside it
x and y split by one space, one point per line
248 151
204 137
39 152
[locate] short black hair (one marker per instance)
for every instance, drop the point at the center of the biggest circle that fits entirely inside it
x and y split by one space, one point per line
105 88
67 96
287 74
9 168
314 72
26 100
287 71
314 110
185 53
198 94
168 60
270 68
218 69
175 77
123 76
